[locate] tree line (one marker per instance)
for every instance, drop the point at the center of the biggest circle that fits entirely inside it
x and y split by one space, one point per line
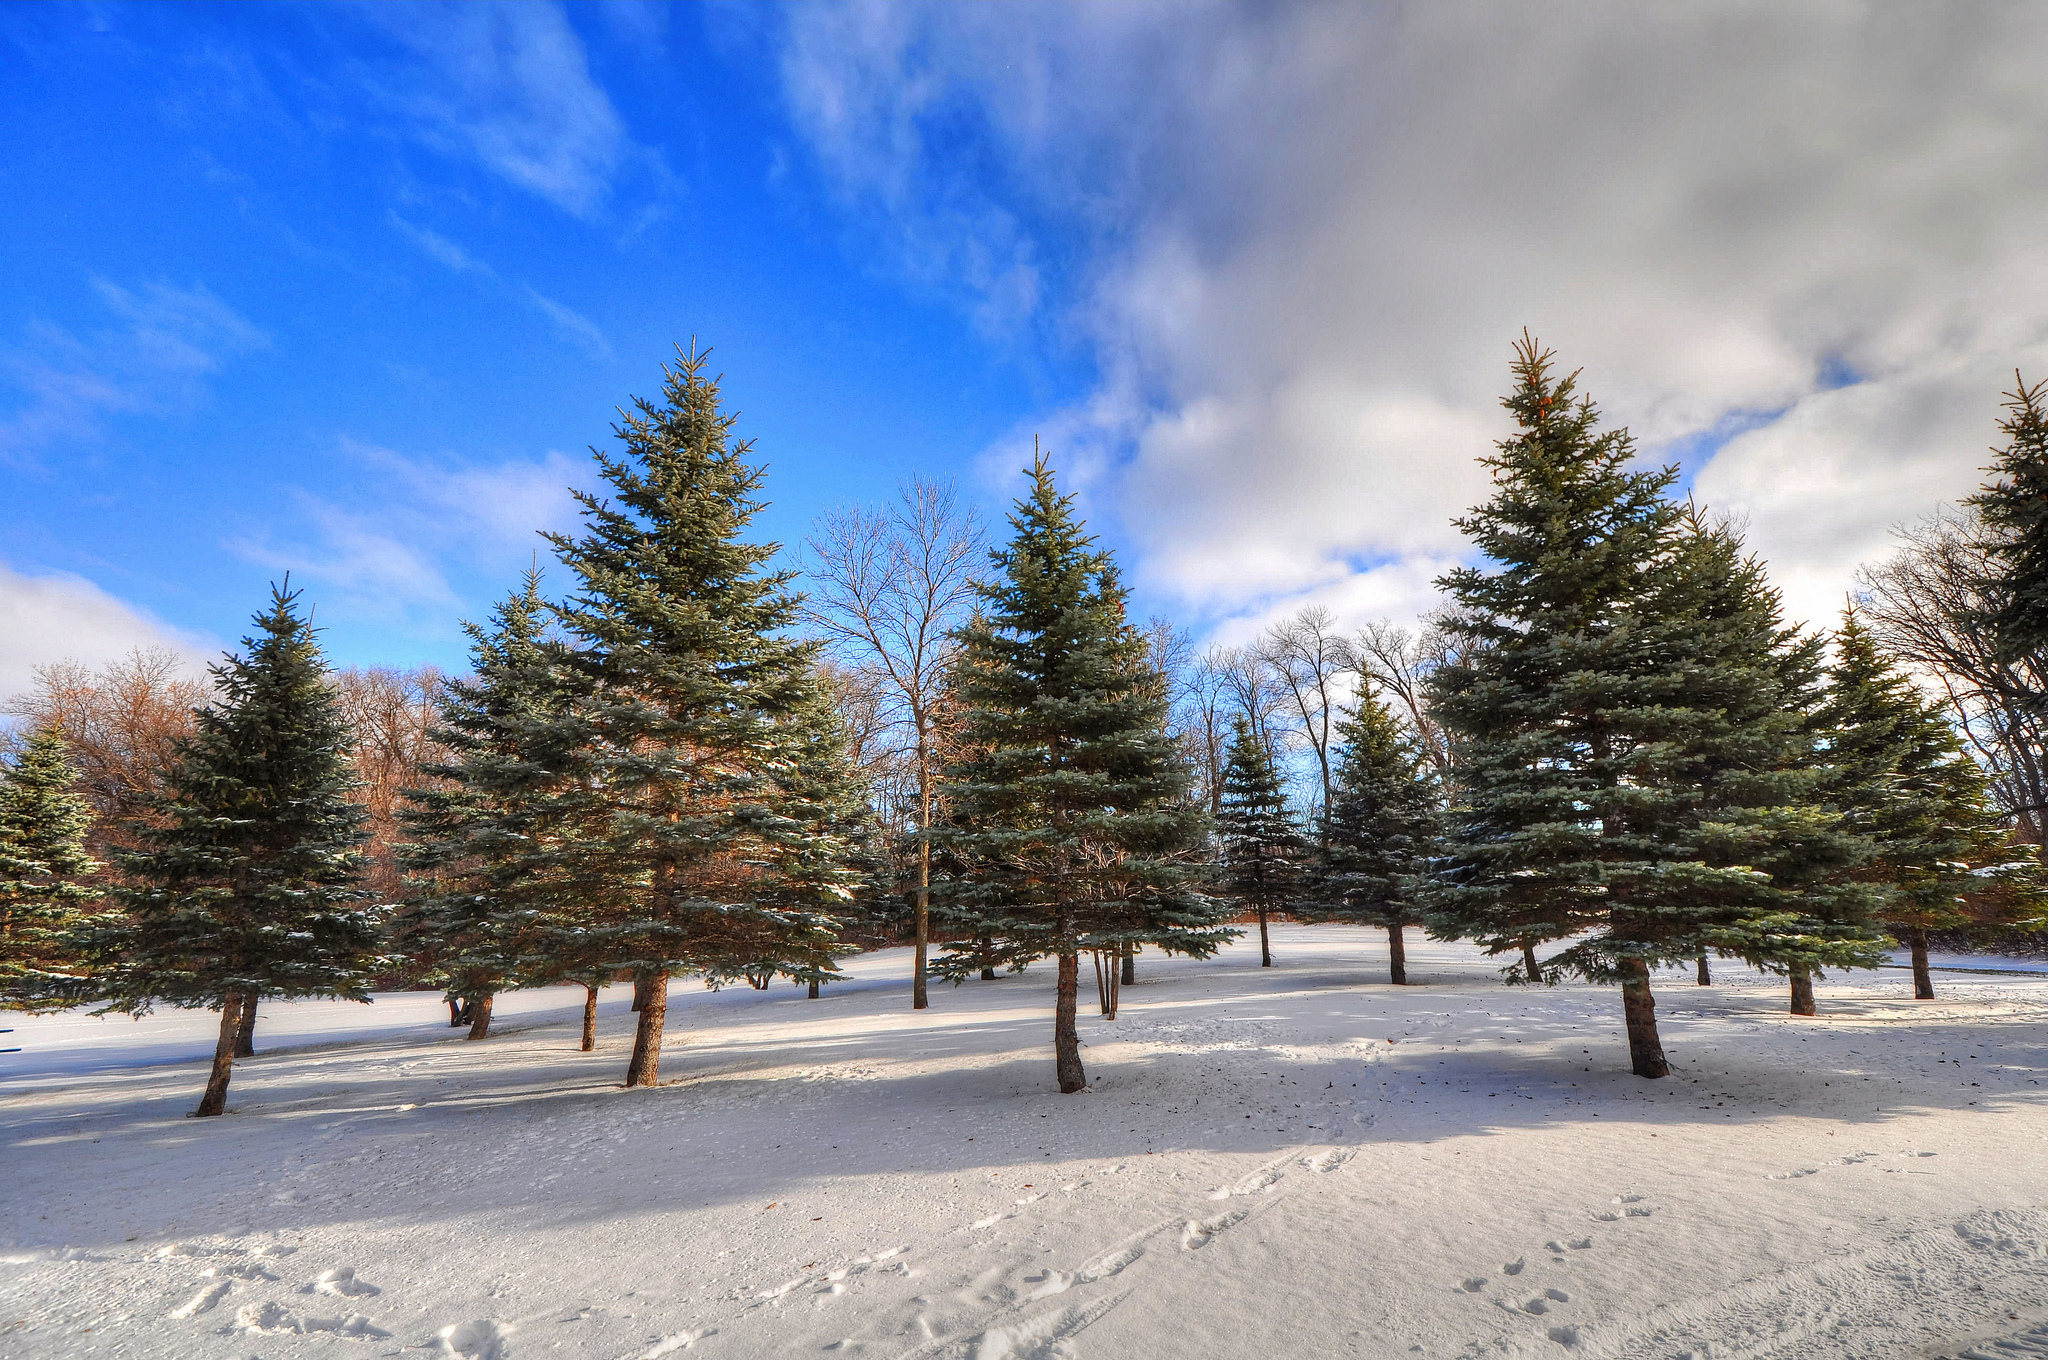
1606 753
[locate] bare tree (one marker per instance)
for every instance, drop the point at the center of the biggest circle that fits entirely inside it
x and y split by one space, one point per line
390 715
1311 664
1925 603
1253 691
1399 661
1208 699
889 589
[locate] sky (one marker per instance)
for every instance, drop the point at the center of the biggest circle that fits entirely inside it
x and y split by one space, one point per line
349 291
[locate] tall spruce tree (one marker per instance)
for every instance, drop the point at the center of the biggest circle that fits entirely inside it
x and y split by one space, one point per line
2013 507
1897 768
1068 804
45 873
688 844
245 884
1262 856
1607 792
1381 831
489 895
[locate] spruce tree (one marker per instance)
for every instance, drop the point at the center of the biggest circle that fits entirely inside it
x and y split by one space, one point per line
2014 509
488 889
689 847
1261 853
1607 792
1896 767
245 884
1068 805
1381 830
45 890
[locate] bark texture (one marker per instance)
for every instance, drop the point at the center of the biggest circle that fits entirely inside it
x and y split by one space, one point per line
1923 977
245 1029
1066 1035
1265 945
645 1068
1802 993
1130 964
589 1018
1397 956
1531 969
480 1016
1639 1009
216 1098
1706 974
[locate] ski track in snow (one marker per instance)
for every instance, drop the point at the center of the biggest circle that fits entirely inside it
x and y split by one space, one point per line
845 1177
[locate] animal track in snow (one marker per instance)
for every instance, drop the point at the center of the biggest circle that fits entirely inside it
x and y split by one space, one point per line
1108 1264
1566 1335
1258 1182
1330 1160
1472 1284
675 1341
239 1272
1513 1267
1576 1244
201 1302
1196 1235
479 1339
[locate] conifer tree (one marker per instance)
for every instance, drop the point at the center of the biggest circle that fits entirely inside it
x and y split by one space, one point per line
1629 725
44 868
245 884
489 889
1381 830
1896 767
687 843
1068 803
2013 507
1262 855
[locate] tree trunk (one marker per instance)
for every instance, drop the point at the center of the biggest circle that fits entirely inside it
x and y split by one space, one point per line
1130 965
1802 993
454 1013
1066 1038
245 1029
1639 1009
1265 945
645 1068
1706 973
1923 980
1397 956
920 999
480 1015
589 1017
1530 968
216 1098
988 975
814 989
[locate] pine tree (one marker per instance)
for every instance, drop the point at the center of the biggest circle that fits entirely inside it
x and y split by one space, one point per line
1628 728
1896 767
1381 831
489 894
1068 804
1262 856
246 881
2014 510
44 895
686 841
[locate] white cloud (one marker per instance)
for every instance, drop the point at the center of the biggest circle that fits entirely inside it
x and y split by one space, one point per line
392 561
166 342
573 324
1300 240
510 86
53 617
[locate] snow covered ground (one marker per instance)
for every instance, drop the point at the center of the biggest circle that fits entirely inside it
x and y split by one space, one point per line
1294 1162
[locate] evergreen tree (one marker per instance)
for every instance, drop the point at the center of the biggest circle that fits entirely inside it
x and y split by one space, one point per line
246 881
1630 729
2014 510
1381 831
489 893
1897 768
1262 855
1068 804
43 865
688 844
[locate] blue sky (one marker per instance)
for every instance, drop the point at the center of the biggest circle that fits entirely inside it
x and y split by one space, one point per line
349 289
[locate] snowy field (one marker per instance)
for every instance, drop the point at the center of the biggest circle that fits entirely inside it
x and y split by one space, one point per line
1294 1162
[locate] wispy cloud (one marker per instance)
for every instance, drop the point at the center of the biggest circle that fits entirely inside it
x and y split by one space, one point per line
51 617
570 322
163 344
508 86
573 324
439 248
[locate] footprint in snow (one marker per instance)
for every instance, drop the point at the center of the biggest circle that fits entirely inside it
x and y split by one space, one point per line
201 1302
1472 1284
1329 1161
480 1339
1258 1182
1196 1235
1513 1267
673 1342
341 1282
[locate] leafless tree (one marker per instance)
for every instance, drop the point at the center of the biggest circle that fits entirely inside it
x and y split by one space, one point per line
889 588
1399 662
390 716
1311 664
1923 603
1208 699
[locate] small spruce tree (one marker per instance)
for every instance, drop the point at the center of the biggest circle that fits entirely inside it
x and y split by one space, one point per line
1381 831
1261 854
1067 807
2013 508
245 884
45 873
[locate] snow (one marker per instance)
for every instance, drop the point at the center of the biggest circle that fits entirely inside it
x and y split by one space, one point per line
1289 1162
